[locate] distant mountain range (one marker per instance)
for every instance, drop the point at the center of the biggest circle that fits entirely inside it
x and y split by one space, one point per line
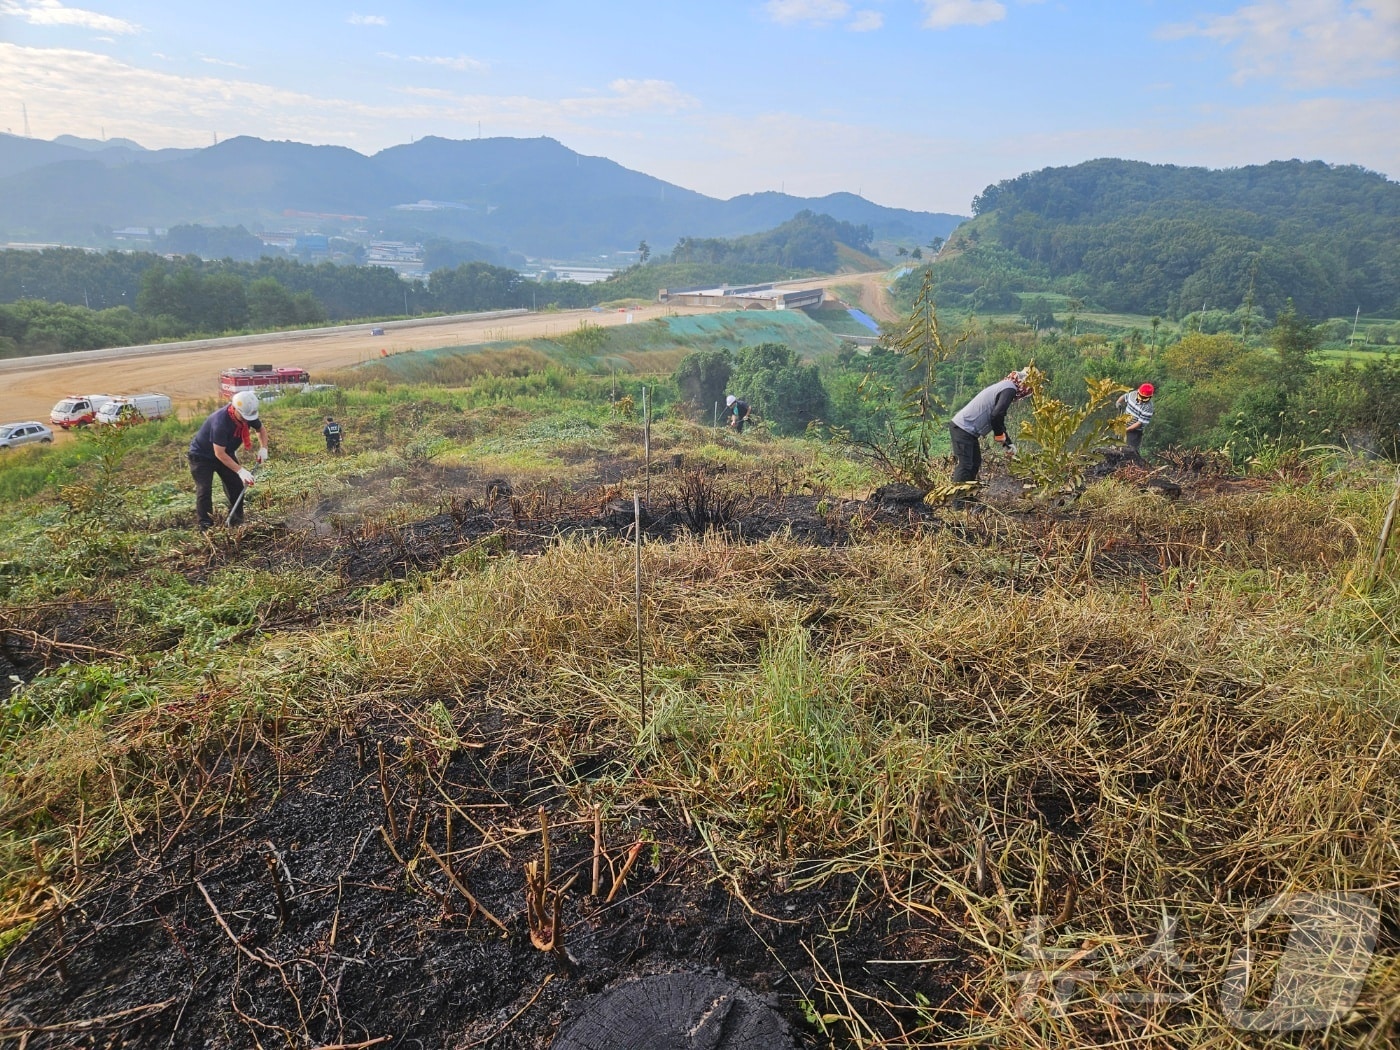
530 195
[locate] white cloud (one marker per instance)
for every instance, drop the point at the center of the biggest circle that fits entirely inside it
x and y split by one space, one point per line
461 63
819 12
211 61
1311 43
78 92
53 13
442 94
634 96
865 21
944 14
368 20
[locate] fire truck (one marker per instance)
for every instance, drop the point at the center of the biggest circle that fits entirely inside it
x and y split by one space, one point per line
261 379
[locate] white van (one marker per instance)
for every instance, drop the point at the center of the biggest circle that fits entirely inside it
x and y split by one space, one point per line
138 408
77 410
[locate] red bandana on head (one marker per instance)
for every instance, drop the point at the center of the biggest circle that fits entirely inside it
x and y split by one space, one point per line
241 430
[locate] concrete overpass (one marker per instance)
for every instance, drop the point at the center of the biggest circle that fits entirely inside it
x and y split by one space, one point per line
745 297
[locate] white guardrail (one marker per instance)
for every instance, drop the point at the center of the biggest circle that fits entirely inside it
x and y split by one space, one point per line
19 364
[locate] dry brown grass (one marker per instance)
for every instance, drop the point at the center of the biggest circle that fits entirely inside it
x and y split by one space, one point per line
1067 730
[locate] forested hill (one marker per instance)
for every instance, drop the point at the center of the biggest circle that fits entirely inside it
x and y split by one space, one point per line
806 241
1160 239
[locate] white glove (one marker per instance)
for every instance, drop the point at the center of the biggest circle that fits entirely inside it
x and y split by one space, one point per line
1010 448
246 475
262 453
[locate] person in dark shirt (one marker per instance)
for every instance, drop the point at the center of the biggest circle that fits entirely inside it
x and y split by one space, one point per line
214 450
984 414
738 412
332 432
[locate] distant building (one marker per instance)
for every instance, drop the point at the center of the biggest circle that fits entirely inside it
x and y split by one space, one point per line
404 257
313 246
580 274
285 240
433 206
138 233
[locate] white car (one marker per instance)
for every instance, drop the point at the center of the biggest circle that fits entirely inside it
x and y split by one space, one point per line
12 434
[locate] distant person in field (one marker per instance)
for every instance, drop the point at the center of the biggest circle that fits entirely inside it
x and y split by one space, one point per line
737 410
1137 406
332 432
214 450
984 414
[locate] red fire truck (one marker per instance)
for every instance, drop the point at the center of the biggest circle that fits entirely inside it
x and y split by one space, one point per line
261 379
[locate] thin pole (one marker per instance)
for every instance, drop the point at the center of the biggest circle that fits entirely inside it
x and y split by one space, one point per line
228 522
641 662
646 439
1385 533
716 423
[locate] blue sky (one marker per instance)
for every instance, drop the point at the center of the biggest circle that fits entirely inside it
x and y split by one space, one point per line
912 103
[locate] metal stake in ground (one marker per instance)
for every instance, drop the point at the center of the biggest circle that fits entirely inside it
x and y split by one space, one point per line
646 440
641 663
228 522
1385 534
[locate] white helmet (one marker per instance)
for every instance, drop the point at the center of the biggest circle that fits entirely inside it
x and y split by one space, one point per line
247 404
730 399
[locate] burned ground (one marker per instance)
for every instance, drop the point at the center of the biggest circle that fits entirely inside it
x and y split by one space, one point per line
323 901
367 884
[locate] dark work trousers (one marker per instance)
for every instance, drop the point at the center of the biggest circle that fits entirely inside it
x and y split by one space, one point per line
203 471
967 456
967 451
1135 439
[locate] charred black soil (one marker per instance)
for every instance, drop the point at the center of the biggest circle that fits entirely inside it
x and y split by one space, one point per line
322 900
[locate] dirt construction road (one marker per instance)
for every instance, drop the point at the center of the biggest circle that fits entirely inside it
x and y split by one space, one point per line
29 387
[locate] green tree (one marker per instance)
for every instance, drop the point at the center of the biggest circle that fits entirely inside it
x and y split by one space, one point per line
1377 411
1057 444
703 376
1036 312
778 386
900 388
1295 338
270 305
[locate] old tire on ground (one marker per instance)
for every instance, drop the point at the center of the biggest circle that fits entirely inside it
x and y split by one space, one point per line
676 1011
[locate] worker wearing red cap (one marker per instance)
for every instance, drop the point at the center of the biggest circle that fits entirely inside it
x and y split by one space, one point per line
1137 406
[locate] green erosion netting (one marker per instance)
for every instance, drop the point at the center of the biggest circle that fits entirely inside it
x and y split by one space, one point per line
598 350
734 329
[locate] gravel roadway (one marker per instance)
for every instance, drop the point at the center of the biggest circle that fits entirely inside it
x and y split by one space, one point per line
29 387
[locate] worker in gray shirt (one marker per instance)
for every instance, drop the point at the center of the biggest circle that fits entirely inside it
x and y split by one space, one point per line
1137 406
984 414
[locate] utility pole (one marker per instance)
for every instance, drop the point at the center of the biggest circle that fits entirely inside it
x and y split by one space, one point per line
1355 321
